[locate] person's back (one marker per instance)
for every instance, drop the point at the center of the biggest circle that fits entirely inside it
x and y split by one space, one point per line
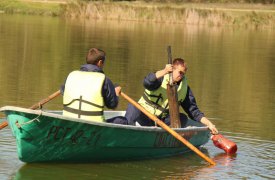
88 90
83 98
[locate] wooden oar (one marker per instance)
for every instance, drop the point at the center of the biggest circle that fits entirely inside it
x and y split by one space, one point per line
3 124
35 106
167 128
172 96
44 101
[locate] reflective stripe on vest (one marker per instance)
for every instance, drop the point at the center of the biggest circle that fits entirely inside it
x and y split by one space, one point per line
156 102
82 97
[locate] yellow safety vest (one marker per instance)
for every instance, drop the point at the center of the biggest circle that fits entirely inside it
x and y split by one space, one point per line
82 97
156 102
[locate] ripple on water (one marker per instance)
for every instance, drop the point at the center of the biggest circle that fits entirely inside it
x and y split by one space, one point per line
9 162
254 159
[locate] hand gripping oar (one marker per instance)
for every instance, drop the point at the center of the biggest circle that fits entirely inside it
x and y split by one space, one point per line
168 129
35 106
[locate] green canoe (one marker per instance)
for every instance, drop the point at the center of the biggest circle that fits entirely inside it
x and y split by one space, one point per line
44 136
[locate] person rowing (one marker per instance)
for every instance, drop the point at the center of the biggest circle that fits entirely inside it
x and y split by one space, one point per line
154 98
88 90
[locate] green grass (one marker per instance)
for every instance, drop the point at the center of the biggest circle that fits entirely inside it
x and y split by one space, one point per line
213 14
183 13
24 7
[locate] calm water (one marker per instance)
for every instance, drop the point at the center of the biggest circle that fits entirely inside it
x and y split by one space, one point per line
231 72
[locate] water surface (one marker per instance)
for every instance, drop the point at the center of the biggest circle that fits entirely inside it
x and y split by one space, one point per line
231 72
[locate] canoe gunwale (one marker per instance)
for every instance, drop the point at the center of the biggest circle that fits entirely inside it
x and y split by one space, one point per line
138 128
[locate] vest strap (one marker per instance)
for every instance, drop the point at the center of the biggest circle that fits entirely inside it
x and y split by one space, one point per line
81 100
154 104
159 97
83 113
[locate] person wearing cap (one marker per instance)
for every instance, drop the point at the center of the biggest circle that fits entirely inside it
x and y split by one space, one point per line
88 90
155 98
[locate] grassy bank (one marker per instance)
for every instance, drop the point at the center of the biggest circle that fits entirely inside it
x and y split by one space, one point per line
197 14
252 15
30 7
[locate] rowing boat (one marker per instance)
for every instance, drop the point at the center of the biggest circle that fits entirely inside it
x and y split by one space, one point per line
48 136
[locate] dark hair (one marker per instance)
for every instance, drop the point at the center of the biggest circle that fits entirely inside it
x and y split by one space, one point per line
94 55
179 61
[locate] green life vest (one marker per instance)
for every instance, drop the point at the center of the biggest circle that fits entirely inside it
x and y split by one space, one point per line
156 102
82 97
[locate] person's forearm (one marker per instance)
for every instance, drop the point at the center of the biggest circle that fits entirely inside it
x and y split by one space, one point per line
160 73
210 125
205 121
168 69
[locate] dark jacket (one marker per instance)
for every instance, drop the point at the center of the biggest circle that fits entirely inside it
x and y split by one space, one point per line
108 90
150 82
189 104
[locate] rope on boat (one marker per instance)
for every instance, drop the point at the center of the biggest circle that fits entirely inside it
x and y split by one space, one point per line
28 122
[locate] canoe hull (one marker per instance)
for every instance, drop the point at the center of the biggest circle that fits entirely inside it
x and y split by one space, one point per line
45 137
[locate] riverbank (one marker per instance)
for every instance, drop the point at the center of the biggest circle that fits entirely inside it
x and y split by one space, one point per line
252 15
33 7
195 14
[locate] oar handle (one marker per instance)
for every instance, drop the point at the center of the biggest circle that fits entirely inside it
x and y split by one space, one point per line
35 106
44 101
167 128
